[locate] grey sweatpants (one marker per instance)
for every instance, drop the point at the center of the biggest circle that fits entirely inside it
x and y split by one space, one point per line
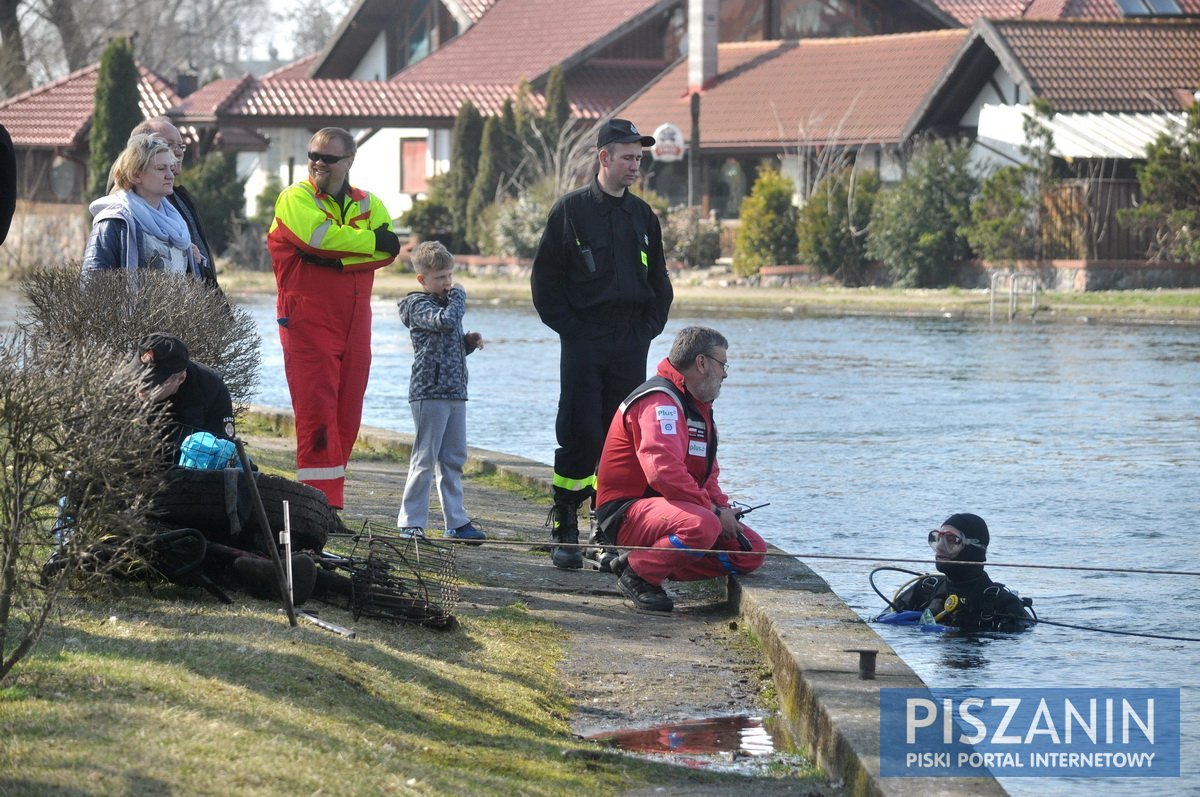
439 452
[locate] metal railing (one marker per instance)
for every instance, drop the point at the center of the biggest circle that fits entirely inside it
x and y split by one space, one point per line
1016 281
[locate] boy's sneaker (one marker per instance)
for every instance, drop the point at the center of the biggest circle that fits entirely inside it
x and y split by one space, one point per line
466 533
412 533
646 596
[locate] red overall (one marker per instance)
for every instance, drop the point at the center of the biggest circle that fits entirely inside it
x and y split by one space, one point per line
324 259
652 447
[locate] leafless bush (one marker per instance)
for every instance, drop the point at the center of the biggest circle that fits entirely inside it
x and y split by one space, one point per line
43 233
70 425
115 309
247 248
561 163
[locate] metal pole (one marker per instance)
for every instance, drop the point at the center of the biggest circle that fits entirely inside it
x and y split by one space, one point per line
285 539
694 152
265 531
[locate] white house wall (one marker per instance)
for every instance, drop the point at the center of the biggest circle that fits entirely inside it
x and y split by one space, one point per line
258 165
994 148
373 65
377 167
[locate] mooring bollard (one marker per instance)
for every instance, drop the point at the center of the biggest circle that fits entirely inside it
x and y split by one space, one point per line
866 662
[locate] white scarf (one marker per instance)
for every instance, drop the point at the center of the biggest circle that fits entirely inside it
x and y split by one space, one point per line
165 223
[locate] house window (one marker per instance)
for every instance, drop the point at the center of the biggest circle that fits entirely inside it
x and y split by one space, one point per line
415 38
800 19
741 21
413 179
1148 8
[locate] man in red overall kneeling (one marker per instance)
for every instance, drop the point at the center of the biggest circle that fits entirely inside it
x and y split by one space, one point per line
658 482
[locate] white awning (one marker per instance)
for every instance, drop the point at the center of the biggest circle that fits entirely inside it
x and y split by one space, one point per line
1079 135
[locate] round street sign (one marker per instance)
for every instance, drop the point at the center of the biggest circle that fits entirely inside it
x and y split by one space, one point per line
668 143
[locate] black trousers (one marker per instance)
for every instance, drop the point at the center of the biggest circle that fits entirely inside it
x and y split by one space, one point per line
597 371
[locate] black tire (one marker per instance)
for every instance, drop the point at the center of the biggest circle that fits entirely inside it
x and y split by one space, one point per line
196 499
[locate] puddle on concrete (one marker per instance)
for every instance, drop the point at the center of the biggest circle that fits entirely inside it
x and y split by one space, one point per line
732 737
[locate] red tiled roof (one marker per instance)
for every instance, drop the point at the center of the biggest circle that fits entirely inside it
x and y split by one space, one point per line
59 113
208 100
596 88
293 71
593 90
967 11
778 94
523 39
382 102
1129 66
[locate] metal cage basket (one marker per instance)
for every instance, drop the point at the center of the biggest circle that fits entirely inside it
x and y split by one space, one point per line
401 580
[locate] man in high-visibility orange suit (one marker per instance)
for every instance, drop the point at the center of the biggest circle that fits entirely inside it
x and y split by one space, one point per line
326 241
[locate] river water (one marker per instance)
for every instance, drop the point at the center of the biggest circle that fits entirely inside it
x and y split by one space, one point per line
1079 444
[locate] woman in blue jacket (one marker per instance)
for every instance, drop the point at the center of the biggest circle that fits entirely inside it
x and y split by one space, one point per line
134 227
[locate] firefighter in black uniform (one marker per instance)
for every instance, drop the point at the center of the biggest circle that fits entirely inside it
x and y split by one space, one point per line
600 281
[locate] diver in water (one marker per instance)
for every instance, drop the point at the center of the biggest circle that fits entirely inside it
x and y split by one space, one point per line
964 597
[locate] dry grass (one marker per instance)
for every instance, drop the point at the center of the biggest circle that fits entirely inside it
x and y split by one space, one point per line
132 693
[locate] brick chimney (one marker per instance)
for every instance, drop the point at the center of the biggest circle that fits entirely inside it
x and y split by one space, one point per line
702 30
186 83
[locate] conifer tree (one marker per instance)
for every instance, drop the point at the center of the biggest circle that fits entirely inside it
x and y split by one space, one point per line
526 118
460 179
216 179
513 152
558 107
487 179
116 113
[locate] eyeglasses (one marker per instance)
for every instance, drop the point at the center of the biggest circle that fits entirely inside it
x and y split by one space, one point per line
324 158
723 363
951 540
179 149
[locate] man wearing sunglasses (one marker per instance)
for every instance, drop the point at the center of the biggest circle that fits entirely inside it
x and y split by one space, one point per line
964 596
326 242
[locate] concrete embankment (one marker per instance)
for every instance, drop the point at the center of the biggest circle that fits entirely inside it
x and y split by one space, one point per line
810 638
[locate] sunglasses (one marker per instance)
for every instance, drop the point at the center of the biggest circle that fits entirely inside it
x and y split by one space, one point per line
324 158
951 539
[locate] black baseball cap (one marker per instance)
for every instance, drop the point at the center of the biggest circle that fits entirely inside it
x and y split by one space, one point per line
621 131
161 356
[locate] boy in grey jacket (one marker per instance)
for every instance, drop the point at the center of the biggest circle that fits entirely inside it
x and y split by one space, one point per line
437 393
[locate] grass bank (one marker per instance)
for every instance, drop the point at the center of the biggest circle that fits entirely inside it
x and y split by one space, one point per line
139 693
694 295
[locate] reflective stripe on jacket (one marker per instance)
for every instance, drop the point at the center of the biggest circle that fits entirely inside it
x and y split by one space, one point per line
310 227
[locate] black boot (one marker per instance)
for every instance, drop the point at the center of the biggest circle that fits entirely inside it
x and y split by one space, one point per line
564 527
258 577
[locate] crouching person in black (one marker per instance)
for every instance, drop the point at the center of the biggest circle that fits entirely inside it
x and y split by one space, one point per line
199 435
196 396
964 596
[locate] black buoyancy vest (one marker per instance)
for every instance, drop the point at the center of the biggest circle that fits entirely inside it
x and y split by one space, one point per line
609 515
